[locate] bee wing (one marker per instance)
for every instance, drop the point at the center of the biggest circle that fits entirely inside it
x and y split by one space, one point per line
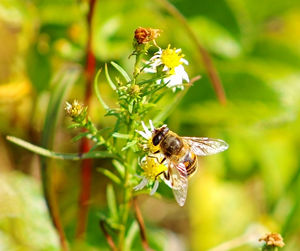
179 182
205 146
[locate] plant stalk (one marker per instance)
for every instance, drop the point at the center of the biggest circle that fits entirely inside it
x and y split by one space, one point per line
86 166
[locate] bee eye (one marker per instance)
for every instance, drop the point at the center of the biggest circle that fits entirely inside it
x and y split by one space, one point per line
156 139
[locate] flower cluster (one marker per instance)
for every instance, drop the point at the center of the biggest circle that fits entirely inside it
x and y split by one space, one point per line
167 63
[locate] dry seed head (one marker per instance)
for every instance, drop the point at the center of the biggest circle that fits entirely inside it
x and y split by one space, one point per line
145 35
273 239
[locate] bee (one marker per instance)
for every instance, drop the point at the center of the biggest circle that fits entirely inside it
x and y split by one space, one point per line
180 154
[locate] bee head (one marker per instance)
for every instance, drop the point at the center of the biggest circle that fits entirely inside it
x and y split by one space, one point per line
159 134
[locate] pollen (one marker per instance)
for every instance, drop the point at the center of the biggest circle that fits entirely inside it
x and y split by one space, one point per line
152 168
171 58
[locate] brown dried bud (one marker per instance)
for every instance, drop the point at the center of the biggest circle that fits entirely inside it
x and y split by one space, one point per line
145 35
273 239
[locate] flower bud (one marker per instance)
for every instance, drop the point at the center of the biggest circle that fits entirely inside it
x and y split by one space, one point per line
76 111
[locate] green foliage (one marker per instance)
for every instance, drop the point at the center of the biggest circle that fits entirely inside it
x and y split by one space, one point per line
254 46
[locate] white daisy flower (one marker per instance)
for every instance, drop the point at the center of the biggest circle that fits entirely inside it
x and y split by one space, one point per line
152 170
173 61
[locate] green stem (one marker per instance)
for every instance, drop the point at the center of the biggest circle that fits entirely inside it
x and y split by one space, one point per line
137 70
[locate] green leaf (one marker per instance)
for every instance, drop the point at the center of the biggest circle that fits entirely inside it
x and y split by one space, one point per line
80 135
65 156
95 146
129 144
121 71
119 167
75 125
98 95
121 135
112 203
110 82
63 82
110 175
131 234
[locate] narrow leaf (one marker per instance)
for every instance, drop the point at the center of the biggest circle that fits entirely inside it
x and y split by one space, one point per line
121 71
65 156
121 135
119 167
80 135
129 144
131 235
63 81
110 82
110 175
75 125
112 203
98 95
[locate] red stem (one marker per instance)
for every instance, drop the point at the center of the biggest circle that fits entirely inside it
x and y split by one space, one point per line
139 218
85 146
108 238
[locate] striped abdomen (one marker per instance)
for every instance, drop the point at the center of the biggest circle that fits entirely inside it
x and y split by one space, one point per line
190 162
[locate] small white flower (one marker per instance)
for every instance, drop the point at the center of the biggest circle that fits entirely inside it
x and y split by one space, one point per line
172 61
152 171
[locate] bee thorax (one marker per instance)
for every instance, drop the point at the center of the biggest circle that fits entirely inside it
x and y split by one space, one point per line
171 145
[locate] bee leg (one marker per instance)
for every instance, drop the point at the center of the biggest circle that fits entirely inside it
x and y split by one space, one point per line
151 156
159 174
163 160
167 175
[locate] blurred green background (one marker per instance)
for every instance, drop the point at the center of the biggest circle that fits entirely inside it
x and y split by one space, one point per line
236 196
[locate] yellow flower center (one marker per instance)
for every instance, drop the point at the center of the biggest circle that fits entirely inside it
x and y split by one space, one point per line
74 109
171 58
152 168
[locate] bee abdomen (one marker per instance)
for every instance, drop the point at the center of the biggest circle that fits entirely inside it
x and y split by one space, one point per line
190 163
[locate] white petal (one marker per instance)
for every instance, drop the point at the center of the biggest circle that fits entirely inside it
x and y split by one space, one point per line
146 128
144 135
151 125
158 82
166 68
153 190
142 184
184 61
185 76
